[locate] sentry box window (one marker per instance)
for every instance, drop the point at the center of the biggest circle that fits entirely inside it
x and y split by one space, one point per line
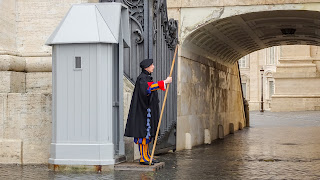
77 63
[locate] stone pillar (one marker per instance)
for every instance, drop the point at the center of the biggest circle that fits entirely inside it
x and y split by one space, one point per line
297 80
254 81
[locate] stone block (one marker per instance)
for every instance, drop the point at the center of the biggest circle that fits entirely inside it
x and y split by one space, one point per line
240 126
174 13
12 82
3 112
182 127
200 3
296 70
291 51
15 112
241 2
10 151
136 152
128 88
186 96
207 136
196 129
35 22
12 63
179 105
38 64
173 3
317 65
36 150
129 148
185 70
188 143
18 82
305 86
28 117
39 82
302 103
8 25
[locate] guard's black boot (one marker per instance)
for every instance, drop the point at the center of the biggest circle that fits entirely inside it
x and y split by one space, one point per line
146 163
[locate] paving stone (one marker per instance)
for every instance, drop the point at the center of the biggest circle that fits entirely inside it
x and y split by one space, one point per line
282 145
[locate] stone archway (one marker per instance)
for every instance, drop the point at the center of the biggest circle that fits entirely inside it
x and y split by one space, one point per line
212 39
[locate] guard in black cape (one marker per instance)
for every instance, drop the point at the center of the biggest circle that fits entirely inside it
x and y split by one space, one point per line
144 114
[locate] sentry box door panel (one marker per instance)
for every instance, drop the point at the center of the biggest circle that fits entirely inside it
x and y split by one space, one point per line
81 77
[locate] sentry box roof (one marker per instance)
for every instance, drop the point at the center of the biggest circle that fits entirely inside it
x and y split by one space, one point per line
93 23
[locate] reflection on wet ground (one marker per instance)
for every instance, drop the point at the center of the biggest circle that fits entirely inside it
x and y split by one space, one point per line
277 146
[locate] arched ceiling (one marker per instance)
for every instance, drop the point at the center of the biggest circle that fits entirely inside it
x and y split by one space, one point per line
231 38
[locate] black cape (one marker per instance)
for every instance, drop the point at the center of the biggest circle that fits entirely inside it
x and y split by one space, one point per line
140 102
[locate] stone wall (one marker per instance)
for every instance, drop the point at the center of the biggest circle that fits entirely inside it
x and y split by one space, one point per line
130 147
25 73
209 95
8 26
26 125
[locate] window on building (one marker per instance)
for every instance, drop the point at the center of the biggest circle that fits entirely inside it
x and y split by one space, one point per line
271 89
244 90
272 55
243 62
78 62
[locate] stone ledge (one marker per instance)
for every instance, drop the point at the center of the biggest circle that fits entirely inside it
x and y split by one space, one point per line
295 75
12 63
38 64
296 65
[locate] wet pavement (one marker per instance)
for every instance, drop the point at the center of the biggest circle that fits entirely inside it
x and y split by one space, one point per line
276 146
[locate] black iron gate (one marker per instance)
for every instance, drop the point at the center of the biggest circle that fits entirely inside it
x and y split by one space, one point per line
154 36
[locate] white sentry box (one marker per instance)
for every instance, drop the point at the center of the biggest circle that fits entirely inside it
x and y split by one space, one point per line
87 83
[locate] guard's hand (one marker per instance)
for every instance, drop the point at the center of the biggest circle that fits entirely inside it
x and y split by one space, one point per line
168 80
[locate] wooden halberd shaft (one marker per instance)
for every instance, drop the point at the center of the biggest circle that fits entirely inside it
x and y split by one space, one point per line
164 103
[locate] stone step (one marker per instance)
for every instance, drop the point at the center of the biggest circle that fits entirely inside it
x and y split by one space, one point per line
135 166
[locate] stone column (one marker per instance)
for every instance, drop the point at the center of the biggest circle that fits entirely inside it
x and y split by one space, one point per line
297 80
254 81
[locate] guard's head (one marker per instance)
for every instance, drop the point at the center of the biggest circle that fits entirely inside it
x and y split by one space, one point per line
147 64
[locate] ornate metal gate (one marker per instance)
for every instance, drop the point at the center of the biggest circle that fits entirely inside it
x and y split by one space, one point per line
154 36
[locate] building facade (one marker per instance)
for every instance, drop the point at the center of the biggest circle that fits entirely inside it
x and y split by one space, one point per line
290 78
250 66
